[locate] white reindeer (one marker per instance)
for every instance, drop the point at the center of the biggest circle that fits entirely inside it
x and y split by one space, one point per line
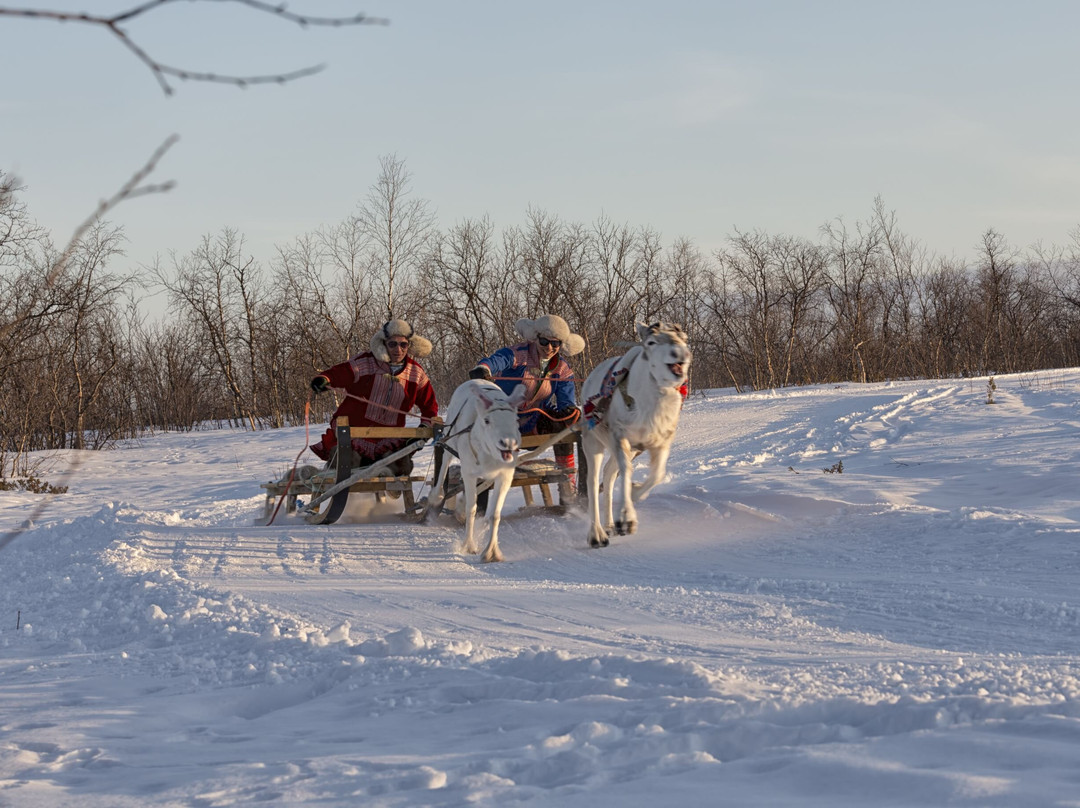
632 405
482 430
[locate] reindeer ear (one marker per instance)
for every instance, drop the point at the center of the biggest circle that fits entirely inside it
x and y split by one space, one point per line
485 402
644 331
517 398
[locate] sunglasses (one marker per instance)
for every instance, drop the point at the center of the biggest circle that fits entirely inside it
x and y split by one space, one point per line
394 343
545 342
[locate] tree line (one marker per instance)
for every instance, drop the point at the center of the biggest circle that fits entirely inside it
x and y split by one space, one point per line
81 365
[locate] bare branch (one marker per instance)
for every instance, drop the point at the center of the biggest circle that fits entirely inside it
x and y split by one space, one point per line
162 71
129 190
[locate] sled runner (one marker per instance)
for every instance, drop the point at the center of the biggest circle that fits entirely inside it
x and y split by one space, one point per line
327 490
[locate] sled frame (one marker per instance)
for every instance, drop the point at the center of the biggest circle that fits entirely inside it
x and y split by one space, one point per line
343 476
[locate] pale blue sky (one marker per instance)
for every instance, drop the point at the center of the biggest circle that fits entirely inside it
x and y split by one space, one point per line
692 117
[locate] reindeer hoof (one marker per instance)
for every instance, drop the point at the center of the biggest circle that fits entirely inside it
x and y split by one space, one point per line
493 557
598 541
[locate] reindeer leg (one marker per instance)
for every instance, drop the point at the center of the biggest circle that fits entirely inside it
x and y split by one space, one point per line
600 503
627 521
469 481
593 449
611 471
494 514
658 458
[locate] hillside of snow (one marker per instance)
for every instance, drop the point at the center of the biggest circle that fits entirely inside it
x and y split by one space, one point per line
906 632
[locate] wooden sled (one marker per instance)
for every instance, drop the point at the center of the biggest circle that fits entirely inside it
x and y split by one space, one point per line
552 482
328 489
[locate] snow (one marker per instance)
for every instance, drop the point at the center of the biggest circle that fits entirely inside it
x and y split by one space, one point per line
906 632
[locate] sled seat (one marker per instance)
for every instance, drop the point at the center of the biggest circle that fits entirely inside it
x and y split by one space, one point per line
540 474
328 488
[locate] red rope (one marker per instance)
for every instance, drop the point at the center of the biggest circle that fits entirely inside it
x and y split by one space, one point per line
292 474
572 417
380 406
520 380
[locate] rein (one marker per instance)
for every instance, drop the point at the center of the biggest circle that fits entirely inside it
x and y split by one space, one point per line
572 417
441 441
292 473
377 404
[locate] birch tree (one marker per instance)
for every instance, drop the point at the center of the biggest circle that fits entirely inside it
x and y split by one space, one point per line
397 226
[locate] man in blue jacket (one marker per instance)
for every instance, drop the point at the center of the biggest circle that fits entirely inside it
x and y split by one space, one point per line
550 402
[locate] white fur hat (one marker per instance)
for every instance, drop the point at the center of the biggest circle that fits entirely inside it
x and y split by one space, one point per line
551 326
418 346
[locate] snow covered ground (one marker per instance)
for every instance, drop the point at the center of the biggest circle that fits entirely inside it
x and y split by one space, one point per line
906 632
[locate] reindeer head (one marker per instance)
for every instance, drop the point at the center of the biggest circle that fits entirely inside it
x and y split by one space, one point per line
495 431
667 352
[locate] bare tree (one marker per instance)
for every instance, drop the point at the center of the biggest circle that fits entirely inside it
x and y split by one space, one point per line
854 260
327 278
397 227
615 260
903 260
463 285
953 305
802 275
996 282
89 330
724 328
552 256
169 366
1061 268
216 286
328 307
25 309
18 234
750 270
57 321
685 272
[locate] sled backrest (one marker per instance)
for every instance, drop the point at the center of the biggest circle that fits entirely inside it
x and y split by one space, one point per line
369 432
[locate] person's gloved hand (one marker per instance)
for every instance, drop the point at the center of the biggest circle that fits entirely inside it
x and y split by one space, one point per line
552 422
480 372
320 384
565 417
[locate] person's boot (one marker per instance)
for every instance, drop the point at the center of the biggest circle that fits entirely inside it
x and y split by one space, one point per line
565 461
402 467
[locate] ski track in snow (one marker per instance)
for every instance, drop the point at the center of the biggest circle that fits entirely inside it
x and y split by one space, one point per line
905 632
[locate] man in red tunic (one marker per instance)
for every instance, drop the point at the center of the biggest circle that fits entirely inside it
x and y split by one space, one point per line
381 386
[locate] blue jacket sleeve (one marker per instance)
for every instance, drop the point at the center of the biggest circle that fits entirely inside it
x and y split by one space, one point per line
499 363
565 395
